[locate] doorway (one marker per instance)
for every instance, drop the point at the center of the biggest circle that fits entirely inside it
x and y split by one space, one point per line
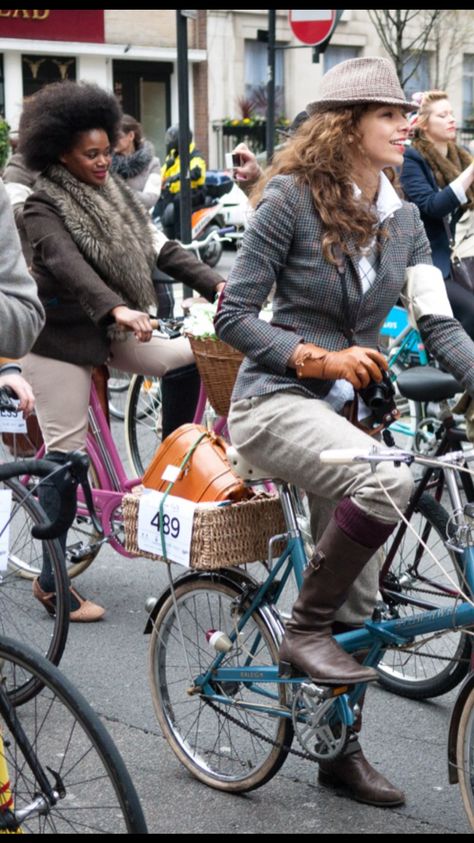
144 91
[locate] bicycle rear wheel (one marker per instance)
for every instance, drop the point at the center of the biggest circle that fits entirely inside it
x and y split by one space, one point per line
227 746
465 756
142 421
73 750
432 665
21 616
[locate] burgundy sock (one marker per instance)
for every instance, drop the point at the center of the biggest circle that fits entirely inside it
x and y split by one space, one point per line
359 526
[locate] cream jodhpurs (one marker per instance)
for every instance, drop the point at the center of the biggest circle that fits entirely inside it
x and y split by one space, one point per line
62 389
284 433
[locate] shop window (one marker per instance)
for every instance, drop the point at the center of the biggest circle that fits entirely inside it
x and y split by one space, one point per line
417 68
334 55
42 70
468 89
256 61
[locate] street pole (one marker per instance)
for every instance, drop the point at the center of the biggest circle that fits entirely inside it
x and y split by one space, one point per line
270 129
183 111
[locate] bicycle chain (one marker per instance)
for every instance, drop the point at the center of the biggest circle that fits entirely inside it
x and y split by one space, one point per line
289 749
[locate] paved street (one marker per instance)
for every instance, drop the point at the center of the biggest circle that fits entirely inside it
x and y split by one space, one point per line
108 662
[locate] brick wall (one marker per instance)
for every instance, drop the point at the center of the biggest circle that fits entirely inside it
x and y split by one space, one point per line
144 27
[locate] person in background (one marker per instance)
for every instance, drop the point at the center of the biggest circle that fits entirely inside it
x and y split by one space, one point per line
19 182
168 206
331 233
135 161
438 175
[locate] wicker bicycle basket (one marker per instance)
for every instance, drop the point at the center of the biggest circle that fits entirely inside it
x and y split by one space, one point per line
218 364
222 536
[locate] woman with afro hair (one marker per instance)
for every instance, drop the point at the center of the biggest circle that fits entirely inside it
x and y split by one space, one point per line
94 250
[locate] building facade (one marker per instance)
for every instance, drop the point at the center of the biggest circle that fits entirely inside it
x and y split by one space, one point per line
134 53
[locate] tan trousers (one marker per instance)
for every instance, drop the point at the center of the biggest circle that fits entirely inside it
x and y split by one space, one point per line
62 389
283 434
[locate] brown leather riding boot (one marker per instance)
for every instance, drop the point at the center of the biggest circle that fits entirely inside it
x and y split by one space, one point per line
353 776
308 646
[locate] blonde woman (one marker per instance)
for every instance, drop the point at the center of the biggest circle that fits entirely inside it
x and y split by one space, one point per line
438 176
330 232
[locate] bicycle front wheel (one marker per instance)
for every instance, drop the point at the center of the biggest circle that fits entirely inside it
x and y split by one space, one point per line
232 745
465 756
142 421
71 748
435 664
22 617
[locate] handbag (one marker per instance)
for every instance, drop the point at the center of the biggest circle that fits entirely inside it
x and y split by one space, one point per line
462 269
206 474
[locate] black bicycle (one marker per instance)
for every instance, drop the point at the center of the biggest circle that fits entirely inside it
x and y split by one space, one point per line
60 771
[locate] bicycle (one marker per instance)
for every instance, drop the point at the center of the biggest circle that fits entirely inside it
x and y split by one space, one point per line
225 710
60 772
26 534
59 769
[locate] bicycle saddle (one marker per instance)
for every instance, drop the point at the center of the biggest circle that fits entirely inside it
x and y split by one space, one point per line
244 469
425 383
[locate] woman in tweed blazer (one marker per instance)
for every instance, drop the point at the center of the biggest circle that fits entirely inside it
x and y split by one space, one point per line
329 218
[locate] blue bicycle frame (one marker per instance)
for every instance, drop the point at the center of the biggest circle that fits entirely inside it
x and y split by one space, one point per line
374 637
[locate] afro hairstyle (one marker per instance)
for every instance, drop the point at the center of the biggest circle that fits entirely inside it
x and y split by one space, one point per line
53 117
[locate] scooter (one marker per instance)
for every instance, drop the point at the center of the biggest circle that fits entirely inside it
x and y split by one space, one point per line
205 219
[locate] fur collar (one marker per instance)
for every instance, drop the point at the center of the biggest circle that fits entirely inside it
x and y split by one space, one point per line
110 229
129 166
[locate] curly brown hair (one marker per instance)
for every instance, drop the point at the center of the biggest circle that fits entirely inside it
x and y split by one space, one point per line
319 154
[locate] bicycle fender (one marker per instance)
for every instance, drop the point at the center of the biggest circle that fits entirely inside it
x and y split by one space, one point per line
226 575
462 696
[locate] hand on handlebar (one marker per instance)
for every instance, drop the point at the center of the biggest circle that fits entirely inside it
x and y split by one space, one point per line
357 365
22 391
133 320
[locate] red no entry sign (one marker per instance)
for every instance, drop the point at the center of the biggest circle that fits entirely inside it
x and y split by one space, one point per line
312 26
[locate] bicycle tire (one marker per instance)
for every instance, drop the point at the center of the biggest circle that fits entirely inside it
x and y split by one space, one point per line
414 675
201 735
68 737
117 388
142 421
465 756
21 616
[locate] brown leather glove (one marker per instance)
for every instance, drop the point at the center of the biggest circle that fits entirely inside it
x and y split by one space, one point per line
357 365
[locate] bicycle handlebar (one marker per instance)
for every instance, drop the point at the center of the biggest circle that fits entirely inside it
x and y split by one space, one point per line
221 236
343 456
65 478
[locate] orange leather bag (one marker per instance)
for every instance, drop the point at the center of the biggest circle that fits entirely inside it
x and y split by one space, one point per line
207 475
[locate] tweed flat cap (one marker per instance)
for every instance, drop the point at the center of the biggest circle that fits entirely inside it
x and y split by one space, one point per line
360 81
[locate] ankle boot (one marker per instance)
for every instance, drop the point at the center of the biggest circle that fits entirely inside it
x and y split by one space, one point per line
352 774
179 396
44 587
308 645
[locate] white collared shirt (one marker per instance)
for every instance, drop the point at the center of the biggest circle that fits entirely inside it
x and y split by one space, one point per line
386 204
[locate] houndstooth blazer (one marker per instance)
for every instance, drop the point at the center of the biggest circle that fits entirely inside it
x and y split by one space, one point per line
282 247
